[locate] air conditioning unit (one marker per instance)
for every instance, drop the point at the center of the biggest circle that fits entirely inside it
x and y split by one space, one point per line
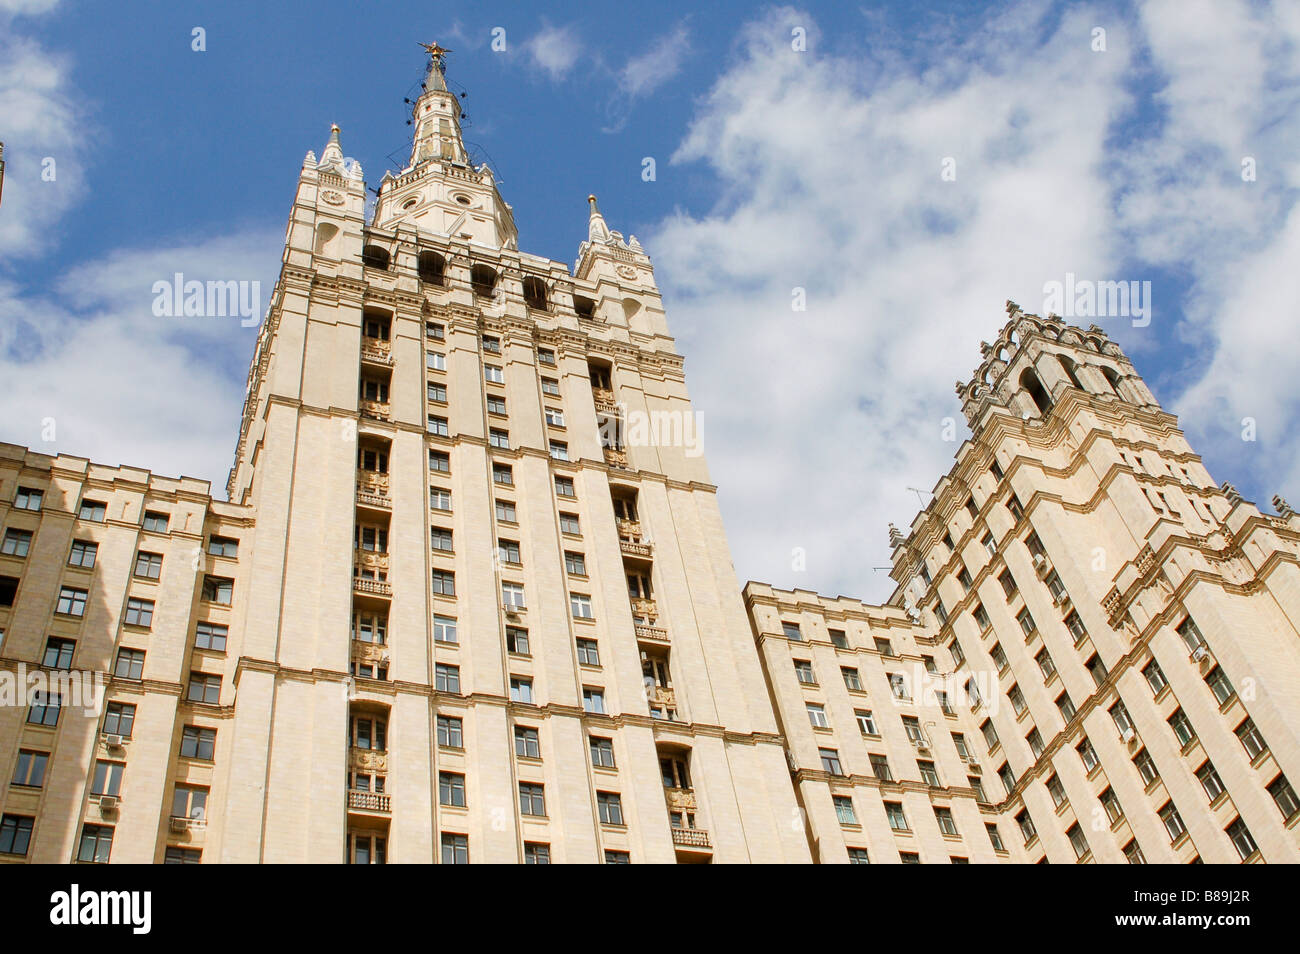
511 609
1200 653
974 765
180 823
1128 736
108 803
113 740
1039 560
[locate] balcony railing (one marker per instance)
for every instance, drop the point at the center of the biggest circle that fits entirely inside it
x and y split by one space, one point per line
368 498
680 799
376 351
663 696
375 587
367 760
656 633
373 654
371 559
629 529
369 801
691 838
616 458
632 549
379 410
642 606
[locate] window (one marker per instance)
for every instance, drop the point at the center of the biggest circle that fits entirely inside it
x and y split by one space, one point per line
532 799
440 463
204 688
1087 754
446 678
369 733
491 344
602 752
1008 777
517 640
610 807
83 554
838 639
972 508
130 664
435 361
436 392
1056 790
16 830
981 617
964 577
1035 741
499 438
96 843
92 510
551 386
1055 587
1123 721
959 742
444 629
139 612
29 772
1241 839
944 817
434 330
995 838
536 853
1210 781
1065 705
1110 802
851 678
1284 797
72 601
119 719
897 819
830 761
493 374
569 523
1182 727
593 700
990 734
16 543
1190 633
198 743
1017 699
28 499
954 649
928 773
444 583
617 857
508 551
858 856
866 723
844 810
1097 669
559 450
210 636
554 417
575 563
1045 664
817 715
564 486
512 595
1078 841
1133 853
999 656
1008 582
1027 625
155 522
58 653
546 356
1250 739
505 510
451 732
107 779
1218 682
451 789
455 849
1172 820
1074 626
176 855
438 426
218 589
792 632
1026 823
990 545
1155 676
580 604
588 653
503 474
521 690
1146 767
880 767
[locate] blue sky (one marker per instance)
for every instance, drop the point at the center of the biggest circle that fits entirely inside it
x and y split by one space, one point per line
776 169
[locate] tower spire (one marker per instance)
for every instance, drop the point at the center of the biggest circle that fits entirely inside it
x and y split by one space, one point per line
436 115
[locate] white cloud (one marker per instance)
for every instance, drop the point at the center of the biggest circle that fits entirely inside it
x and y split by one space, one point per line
121 385
26 7
646 72
554 50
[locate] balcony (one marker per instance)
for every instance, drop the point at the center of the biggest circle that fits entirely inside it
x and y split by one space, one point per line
369 801
616 458
643 607
604 400
378 410
370 654
641 551
630 529
662 696
377 352
367 760
371 587
371 559
654 634
691 838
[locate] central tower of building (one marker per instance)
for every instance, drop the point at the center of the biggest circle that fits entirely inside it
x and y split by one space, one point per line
491 610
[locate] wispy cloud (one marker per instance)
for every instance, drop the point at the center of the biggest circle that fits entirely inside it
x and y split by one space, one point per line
646 72
554 50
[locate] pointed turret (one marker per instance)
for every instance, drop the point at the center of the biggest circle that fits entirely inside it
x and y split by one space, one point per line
605 252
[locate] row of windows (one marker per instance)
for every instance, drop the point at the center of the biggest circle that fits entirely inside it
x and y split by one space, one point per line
95 845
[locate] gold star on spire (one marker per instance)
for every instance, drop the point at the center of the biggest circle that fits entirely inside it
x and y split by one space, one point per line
434 50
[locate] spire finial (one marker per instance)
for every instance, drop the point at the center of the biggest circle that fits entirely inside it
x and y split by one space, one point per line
597 230
435 51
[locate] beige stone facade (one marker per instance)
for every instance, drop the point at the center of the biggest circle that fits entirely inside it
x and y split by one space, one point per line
469 597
